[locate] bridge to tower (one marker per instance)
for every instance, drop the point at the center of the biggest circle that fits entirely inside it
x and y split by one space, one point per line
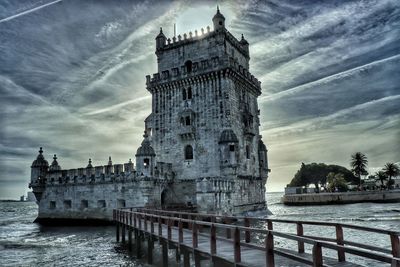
249 241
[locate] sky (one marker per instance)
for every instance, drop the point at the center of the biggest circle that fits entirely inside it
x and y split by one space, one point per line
72 79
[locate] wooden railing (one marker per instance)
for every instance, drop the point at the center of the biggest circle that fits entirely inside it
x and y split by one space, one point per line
140 218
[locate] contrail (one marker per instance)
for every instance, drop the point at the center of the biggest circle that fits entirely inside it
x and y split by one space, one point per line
29 11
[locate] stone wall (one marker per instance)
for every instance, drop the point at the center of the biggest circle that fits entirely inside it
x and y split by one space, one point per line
342 198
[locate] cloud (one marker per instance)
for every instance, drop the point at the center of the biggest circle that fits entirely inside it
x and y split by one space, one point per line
73 78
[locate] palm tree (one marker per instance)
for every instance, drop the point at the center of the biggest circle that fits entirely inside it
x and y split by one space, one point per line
381 176
391 170
359 164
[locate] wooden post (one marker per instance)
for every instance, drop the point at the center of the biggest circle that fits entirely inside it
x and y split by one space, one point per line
140 221
135 220
394 239
228 230
164 254
194 235
169 229
150 245
197 260
129 238
340 241
117 231
213 240
269 225
247 233
317 255
189 217
180 231
186 258
123 233
236 245
138 243
159 227
177 255
152 225
269 250
145 222
300 233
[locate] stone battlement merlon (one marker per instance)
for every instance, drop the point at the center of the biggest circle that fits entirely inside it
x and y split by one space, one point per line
190 38
202 68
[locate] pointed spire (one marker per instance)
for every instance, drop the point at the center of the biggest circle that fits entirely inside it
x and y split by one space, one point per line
161 30
90 164
109 160
40 151
54 165
217 8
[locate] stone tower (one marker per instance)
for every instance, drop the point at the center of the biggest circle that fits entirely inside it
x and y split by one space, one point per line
205 117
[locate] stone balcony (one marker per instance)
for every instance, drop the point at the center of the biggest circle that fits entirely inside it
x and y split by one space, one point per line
187 132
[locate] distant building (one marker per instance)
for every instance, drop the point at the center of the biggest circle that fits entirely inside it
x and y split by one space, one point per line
202 146
22 198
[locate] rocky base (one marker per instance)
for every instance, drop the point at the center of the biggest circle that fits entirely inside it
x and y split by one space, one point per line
72 222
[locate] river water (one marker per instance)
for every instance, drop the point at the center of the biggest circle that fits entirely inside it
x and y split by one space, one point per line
23 243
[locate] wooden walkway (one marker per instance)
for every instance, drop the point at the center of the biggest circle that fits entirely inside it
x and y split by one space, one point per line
215 238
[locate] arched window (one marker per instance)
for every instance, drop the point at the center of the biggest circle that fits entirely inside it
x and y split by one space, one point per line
189 66
247 151
146 162
184 94
189 93
187 120
188 152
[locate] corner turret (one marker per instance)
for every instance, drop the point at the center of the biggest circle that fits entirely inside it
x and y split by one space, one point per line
39 170
145 157
218 21
160 40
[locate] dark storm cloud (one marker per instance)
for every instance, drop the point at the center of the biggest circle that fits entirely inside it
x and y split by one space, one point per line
72 78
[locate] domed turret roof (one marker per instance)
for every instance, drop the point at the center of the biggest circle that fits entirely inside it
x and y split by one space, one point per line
243 41
261 146
89 164
161 34
145 149
228 136
54 165
40 161
218 15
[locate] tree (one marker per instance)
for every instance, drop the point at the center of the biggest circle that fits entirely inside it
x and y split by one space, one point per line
316 173
381 176
391 170
359 164
336 181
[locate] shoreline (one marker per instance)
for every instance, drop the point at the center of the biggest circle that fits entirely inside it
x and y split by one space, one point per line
392 196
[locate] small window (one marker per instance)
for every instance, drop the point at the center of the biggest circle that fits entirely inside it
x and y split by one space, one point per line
146 162
184 94
188 152
187 120
121 203
101 203
84 204
189 93
220 23
52 205
247 151
67 204
232 148
188 66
